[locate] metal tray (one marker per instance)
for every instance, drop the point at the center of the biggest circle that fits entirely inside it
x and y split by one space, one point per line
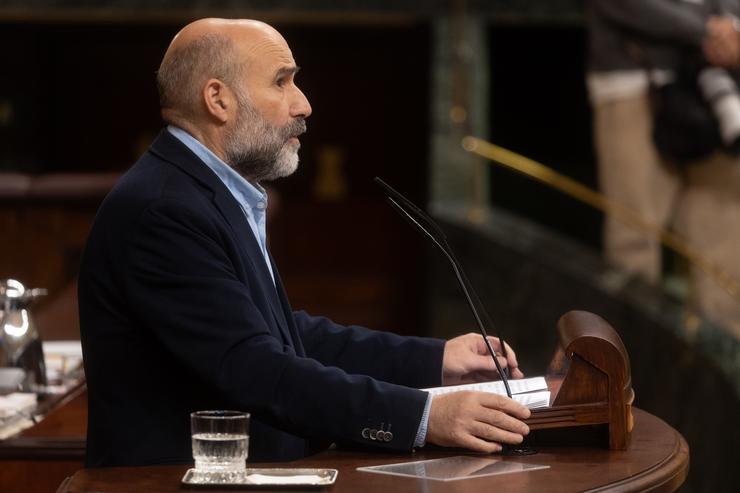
263 478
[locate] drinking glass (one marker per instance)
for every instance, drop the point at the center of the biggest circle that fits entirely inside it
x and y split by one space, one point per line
220 441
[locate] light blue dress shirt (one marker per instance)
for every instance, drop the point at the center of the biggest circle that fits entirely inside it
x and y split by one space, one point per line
253 200
251 197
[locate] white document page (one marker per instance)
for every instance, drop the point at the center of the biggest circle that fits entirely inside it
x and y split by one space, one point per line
530 392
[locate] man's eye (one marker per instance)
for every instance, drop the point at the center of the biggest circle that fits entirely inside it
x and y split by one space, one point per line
281 82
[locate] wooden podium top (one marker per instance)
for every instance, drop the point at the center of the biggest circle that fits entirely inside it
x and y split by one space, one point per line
656 460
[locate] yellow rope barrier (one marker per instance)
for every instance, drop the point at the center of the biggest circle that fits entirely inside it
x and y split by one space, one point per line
582 193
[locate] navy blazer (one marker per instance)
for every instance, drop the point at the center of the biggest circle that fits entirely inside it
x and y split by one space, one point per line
178 313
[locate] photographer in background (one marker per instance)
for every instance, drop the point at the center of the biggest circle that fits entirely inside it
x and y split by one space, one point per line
636 45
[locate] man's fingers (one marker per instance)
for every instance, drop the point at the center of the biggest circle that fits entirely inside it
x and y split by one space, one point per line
491 433
485 369
511 360
476 420
509 428
502 403
472 442
487 362
511 354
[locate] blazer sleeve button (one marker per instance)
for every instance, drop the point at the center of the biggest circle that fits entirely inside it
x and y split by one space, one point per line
366 433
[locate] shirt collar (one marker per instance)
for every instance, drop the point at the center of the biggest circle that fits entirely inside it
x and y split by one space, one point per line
244 191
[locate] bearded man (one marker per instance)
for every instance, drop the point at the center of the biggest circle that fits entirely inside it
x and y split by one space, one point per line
182 308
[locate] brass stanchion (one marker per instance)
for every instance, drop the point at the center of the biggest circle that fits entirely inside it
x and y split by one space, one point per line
582 193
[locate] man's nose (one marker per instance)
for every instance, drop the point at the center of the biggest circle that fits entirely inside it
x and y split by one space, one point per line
300 106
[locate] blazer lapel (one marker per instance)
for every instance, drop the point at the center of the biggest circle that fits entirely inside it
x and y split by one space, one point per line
169 148
287 311
234 215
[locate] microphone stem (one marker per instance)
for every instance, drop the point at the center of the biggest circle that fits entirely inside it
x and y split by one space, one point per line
457 268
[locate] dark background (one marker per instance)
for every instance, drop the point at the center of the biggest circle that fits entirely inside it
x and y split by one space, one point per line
539 108
83 99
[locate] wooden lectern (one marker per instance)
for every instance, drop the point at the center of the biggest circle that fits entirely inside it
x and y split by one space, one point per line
590 381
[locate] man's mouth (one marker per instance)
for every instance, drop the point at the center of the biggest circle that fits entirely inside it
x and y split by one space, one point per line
299 128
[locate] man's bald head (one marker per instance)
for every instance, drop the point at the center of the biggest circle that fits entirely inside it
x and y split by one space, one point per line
231 85
202 50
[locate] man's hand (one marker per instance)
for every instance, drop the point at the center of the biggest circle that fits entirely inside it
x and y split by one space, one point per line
478 421
721 44
466 359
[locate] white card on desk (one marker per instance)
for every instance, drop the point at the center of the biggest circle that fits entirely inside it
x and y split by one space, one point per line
453 468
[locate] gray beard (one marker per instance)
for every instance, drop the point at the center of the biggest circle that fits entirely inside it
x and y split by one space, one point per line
257 150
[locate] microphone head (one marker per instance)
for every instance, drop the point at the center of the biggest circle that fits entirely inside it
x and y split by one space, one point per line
387 188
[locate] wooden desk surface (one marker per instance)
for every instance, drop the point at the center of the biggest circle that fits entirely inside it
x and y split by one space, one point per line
59 435
657 460
37 459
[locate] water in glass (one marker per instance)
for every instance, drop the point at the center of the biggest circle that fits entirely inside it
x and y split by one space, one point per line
220 452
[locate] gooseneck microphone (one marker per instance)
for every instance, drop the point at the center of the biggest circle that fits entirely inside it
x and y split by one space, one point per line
415 216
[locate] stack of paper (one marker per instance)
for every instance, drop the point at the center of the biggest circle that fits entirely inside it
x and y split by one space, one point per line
15 410
530 392
17 402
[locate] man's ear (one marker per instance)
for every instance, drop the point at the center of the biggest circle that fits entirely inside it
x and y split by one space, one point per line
219 100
